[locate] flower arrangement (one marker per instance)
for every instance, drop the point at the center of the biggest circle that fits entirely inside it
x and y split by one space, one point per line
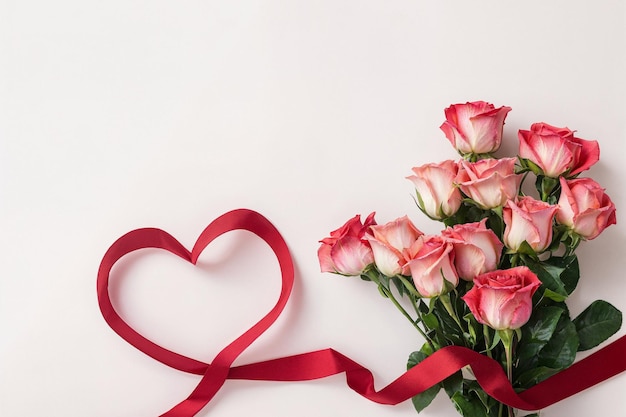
496 279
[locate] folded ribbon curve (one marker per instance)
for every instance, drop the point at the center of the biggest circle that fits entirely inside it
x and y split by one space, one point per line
601 365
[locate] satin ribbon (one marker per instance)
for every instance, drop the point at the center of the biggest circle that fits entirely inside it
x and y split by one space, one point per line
601 365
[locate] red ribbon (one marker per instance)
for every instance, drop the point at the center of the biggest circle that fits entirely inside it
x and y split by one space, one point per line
590 371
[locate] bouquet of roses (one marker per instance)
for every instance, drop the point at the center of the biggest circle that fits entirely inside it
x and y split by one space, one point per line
497 277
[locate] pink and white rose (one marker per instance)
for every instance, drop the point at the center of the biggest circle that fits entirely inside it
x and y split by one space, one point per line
584 207
477 248
390 243
528 220
489 182
474 127
502 299
556 150
432 266
346 251
437 194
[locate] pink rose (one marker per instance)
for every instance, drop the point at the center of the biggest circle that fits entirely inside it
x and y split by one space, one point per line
390 243
503 299
489 182
477 249
474 127
432 264
556 151
584 207
437 194
346 251
528 220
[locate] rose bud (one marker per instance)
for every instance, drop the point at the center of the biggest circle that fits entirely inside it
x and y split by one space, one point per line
437 194
477 249
389 243
584 207
489 182
503 299
432 266
346 251
474 128
528 220
556 151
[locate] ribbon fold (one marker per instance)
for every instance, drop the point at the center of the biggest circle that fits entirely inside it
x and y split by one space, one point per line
600 366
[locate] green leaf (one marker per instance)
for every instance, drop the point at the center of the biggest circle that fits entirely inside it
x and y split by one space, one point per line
453 383
449 329
430 321
494 342
548 293
468 212
408 286
495 222
571 271
474 388
473 328
469 407
536 333
532 166
526 249
550 277
384 280
597 323
427 349
423 399
548 187
419 201
382 290
560 351
399 286
534 376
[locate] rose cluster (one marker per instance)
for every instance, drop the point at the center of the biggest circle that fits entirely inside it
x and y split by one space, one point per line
470 250
504 257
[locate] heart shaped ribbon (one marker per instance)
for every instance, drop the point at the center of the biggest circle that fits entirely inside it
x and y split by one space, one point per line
596 368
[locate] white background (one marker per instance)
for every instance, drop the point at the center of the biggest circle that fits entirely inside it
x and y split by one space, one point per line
124 114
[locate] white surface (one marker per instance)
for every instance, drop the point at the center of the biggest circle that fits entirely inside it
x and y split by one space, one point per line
117 115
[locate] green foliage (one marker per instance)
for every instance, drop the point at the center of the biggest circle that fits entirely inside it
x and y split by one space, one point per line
559 276
528 165
549 344
453 384
472 401
535 376
430 320
570 273
536 334
560 351
548 188
597 323
469 405
469 212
